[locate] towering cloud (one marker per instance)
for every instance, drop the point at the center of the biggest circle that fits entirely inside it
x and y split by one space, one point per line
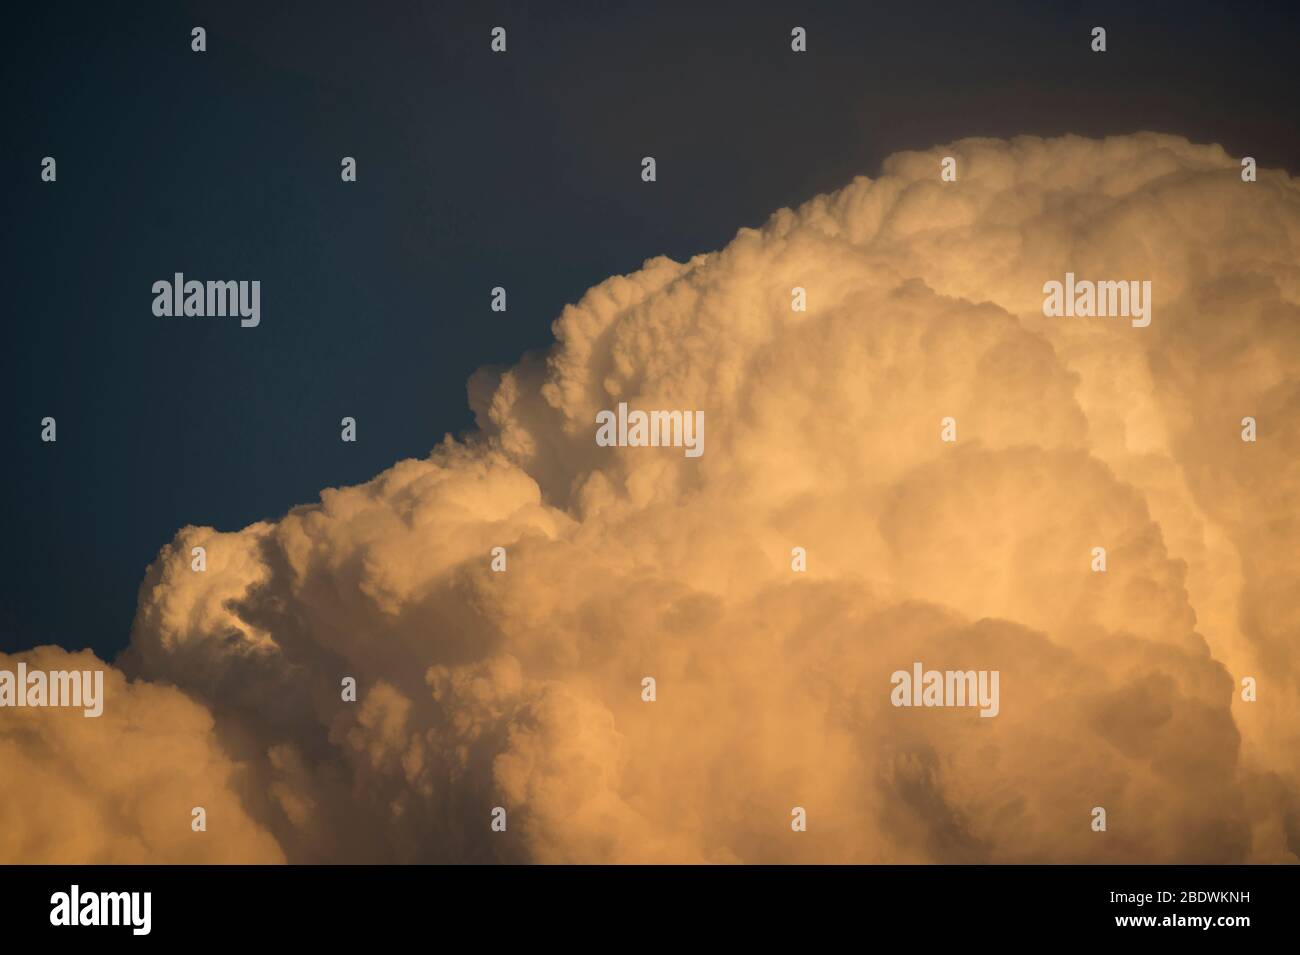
522 688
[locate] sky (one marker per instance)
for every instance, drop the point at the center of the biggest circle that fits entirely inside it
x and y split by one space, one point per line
520 171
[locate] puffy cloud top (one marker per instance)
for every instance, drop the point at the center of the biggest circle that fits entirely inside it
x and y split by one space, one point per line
523 689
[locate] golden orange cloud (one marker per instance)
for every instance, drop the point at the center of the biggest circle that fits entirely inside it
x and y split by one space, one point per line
523 688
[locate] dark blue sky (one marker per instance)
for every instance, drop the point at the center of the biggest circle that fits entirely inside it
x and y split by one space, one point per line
475 170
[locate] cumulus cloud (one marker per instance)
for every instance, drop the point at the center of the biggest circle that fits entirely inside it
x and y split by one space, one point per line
522 689
120 787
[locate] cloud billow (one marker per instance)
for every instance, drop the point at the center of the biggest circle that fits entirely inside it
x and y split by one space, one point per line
523 688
